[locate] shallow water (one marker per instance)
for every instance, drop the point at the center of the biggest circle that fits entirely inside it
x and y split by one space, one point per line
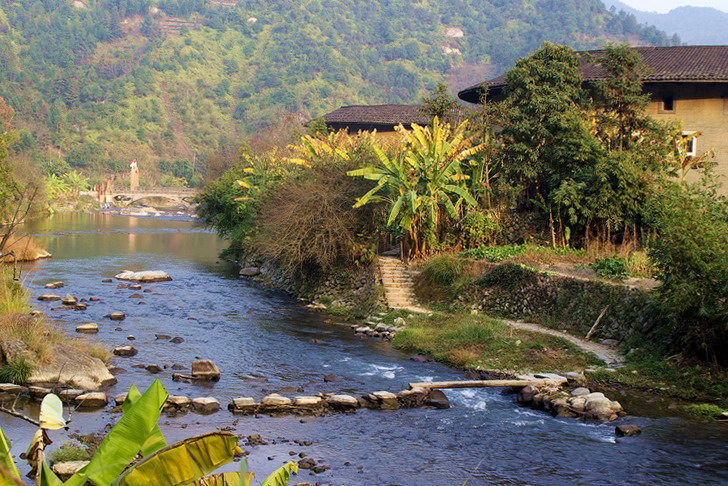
251 331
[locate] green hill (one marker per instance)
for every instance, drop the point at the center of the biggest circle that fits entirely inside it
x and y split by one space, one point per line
98 82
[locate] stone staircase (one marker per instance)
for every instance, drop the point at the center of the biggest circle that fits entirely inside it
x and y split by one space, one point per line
398 286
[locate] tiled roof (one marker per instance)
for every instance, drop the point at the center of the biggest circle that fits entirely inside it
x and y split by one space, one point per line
667 64
377 115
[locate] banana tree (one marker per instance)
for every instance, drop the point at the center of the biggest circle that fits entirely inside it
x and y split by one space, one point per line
136 435
421 180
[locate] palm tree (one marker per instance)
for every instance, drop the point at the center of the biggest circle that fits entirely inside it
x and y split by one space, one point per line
417 182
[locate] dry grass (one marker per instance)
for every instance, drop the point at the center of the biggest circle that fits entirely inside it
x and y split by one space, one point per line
36 333
25 247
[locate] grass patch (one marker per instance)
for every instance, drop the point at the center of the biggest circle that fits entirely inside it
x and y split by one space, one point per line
14 297
16 372
704 410
473 341
671 377
69 452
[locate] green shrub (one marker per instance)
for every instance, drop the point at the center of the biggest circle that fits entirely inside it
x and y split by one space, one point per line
479 228
614 268
69 452
508 276
704 410
639 265
494 253
16 372
443 270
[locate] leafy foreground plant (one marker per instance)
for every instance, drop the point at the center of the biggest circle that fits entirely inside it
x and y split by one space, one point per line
136 434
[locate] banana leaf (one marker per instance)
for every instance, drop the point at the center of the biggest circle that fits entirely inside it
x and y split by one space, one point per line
125 440
51 413
221 479
47 477
9 474
280 476
156 440
183 461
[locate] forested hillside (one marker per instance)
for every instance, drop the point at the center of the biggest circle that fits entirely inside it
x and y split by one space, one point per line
694 25
95 83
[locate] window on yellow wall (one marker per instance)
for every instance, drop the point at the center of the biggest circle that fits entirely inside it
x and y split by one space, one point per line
691 143
725 106
667 105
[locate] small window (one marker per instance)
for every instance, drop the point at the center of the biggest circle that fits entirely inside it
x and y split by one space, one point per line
725 106
668 104
691 143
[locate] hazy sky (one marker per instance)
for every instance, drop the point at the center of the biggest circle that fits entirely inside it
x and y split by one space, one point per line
664 6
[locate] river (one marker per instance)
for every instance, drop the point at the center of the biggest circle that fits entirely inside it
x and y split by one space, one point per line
251 332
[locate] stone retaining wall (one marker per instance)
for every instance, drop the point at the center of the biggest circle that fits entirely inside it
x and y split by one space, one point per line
561 302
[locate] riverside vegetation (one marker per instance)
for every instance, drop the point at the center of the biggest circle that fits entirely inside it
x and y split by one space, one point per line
583 178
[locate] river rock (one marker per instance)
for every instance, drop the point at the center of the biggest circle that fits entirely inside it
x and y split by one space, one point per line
414 398
331 378
39 392
308 402
12 388
162 336
575 378
136 296
135 287
70 394
116 316
627 430
386 400
599 408
54 285
88 328
131 337
92 400
152 368
106 280
342 402
49 297
205 370
119 399
275 399
249 271
64 470
126 351
437 399
243 402
179 401
581 392
70 366
177 340
80 306
205 405
146 276
69 299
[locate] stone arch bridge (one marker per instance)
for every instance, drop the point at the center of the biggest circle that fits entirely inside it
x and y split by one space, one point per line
180 195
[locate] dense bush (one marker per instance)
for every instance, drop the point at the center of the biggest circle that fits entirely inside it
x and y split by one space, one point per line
693 263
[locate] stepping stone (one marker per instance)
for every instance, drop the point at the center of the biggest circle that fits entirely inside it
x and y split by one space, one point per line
205 405
125 351
89 328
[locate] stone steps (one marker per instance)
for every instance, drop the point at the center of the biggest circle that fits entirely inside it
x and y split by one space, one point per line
397 282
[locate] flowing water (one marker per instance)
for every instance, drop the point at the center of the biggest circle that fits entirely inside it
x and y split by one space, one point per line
254 333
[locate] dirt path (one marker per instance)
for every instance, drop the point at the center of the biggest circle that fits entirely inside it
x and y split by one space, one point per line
609 354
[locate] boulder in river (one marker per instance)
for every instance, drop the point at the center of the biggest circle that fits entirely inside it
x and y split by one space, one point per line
92 400
437 399
162 336
54 285
80 306
627 430
177 340
69 299
205 405
125 351
205 370
275 399
64 470
116 316
49 297
342 402
146 276
66 365
249 271
331 378
88 328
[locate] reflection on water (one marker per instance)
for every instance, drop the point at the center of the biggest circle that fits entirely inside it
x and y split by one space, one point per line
261 340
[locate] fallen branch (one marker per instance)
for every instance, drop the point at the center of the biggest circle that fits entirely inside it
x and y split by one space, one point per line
596 323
